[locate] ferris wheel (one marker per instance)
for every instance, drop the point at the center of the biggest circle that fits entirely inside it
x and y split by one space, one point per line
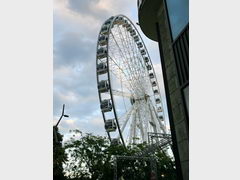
129 94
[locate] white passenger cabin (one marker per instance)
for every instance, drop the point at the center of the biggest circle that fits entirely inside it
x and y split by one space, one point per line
140 45
149 67
110 125
151 75
158 100
104 29
103 40
108 22
129 27
136 38
159 109
154 83
143 52
102 52
132 32
101 68
119 20
125 23
103 86
155 91
161 117
106 105
146 59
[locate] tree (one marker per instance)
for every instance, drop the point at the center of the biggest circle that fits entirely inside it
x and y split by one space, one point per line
92 157
59 155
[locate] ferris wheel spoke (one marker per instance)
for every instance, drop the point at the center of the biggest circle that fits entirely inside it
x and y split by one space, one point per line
137 56
140 125
125 118
134 49
141 74
135 63
130 47
122 72
126 51
133 128
142 121
121 93
153 118
125 82
127 48
128 75
125 60
120 50
162 126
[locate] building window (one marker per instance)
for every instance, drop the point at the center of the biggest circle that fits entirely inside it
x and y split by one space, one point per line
178 12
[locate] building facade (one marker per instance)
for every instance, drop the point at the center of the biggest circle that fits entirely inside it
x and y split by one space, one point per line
167 22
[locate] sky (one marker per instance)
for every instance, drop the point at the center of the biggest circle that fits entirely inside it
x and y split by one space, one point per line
76 24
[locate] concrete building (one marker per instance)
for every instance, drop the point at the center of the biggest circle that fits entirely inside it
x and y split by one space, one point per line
167 21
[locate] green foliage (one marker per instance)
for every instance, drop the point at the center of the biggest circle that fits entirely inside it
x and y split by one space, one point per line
59 155
92 157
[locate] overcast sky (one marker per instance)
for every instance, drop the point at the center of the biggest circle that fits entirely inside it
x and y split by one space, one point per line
76 27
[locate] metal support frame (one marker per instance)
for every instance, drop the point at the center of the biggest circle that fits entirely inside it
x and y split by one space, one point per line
165 141
159 136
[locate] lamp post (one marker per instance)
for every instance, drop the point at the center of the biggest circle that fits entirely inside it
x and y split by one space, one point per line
55 127
63 115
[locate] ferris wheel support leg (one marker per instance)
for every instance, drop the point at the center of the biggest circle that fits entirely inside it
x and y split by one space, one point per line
141 125
132 127
151 109
127 118
162 126
153 119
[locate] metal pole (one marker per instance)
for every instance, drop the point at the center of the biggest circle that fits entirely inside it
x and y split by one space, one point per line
61 115
55 127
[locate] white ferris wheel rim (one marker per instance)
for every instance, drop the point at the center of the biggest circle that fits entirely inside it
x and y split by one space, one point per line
149 105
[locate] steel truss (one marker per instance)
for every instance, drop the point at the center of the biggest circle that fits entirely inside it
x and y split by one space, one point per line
162 141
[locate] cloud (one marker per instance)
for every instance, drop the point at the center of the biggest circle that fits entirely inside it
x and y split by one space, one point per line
89 8
76 27
72 49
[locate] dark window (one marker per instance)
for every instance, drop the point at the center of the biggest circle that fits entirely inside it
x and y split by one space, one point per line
180 48
178 12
